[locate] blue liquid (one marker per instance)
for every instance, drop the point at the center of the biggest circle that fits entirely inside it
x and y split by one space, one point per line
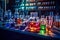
7 25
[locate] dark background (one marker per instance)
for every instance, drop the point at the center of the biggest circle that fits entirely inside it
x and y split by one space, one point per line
11 35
